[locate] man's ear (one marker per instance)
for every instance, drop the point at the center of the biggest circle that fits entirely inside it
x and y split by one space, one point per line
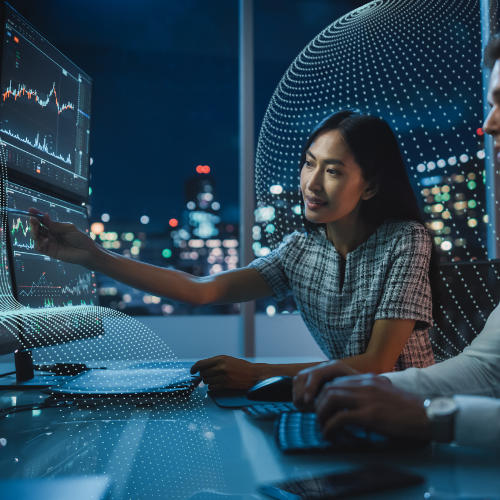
371 190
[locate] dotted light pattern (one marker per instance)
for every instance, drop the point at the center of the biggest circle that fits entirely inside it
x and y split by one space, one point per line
417 64
172 434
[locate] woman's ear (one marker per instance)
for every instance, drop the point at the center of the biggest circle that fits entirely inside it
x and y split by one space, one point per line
371 190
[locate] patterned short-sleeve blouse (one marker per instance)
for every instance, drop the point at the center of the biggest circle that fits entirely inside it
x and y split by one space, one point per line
385 277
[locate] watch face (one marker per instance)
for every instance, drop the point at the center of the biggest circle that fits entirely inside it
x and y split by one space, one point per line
443 406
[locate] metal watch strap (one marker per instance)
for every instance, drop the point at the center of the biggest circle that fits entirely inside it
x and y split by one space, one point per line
441 414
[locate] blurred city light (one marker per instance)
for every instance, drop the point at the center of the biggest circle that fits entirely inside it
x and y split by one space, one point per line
97 228
264 214
271 310
446 246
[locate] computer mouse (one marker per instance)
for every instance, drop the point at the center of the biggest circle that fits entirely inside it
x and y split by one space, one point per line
272 389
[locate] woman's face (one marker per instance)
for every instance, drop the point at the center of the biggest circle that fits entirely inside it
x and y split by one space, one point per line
331 181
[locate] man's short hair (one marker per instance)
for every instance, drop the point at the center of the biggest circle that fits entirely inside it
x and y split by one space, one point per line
492 52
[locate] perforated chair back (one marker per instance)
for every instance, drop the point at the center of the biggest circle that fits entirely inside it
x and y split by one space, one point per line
469 293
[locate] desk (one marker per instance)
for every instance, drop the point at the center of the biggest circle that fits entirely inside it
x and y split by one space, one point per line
186 450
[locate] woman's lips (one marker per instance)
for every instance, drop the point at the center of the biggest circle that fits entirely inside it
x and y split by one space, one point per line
314 203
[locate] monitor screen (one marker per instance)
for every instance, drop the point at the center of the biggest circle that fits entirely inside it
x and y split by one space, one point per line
39 281
45 103
45 284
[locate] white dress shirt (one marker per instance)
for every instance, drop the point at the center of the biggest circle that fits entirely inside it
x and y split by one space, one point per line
473 374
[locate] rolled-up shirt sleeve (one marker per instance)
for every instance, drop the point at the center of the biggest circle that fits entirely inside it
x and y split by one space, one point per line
271 268
407 291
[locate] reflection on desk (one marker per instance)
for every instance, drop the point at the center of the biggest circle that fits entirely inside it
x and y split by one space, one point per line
194 449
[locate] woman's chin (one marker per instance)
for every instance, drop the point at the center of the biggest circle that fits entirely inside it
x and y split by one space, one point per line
314 218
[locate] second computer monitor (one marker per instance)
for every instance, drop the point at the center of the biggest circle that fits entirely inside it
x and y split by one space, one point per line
39 281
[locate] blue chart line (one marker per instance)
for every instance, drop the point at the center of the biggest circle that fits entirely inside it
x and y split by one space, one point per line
82 285
38 145
26 246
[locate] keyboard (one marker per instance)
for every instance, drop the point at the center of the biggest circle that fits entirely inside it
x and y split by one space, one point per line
268 411
297 432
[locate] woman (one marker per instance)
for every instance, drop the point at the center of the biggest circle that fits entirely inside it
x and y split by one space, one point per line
359 274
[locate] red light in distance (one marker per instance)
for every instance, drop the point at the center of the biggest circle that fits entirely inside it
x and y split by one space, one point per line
173 222
203 169
479 131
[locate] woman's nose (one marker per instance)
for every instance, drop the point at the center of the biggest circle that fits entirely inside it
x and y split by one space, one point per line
315 181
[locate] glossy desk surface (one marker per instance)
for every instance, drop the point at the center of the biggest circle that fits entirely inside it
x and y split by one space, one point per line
194 449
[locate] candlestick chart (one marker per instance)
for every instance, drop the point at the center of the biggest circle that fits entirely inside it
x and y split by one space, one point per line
21 235
23 91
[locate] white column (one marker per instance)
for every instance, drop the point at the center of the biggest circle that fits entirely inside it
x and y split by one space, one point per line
247 158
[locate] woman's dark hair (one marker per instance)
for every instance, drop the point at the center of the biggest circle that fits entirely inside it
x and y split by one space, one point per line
375 149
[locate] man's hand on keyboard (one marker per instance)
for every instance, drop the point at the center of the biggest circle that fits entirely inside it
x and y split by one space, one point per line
308 382
371 402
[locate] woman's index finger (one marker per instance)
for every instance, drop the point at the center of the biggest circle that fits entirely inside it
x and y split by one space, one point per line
203 364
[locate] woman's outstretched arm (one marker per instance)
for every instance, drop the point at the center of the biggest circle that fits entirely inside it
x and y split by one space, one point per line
64 241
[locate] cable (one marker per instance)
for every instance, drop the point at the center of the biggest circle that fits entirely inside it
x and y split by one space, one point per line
34 406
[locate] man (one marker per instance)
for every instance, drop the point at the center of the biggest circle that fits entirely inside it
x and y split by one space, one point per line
393 403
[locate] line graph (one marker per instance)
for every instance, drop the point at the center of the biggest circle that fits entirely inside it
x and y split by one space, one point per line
82 285
20 237
44 288
38 145
23 91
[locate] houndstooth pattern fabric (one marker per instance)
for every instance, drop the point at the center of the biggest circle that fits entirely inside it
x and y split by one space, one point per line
386 277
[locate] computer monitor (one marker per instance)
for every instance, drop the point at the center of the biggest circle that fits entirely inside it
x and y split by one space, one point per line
45 109
40 282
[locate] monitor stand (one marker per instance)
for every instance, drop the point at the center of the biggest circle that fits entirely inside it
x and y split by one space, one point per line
25 377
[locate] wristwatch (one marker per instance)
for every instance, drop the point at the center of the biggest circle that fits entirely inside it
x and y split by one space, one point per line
441 413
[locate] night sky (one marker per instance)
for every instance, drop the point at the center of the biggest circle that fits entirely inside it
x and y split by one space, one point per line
165 95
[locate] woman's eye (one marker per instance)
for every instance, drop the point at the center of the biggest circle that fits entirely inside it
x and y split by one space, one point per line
307 163
332 171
